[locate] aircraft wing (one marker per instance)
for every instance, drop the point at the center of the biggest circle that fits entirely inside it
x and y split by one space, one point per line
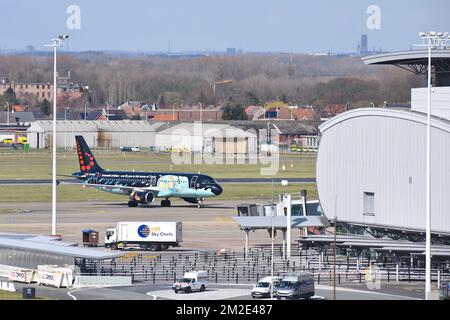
113 186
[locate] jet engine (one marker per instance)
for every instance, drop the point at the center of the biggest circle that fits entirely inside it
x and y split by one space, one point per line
144 197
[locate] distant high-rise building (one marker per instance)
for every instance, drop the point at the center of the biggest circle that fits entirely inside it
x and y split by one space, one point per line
364 45
231 51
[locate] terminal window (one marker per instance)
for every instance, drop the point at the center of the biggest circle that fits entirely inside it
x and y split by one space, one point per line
369 203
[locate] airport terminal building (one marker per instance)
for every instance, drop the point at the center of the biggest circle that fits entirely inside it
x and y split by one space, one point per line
371 167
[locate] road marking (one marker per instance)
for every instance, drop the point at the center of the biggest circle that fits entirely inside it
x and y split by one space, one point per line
364 291
84 289
71 295
151 295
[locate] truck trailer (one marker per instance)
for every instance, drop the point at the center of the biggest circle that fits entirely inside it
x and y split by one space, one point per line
154 236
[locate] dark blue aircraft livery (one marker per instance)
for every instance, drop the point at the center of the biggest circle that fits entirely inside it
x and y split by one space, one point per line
144 187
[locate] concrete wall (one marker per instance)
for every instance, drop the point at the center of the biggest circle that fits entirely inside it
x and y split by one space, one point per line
102 281
383 152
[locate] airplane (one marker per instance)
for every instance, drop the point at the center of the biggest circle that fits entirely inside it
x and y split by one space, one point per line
144 187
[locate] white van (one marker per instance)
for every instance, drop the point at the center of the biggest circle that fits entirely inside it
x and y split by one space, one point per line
264 287
192 281
296 286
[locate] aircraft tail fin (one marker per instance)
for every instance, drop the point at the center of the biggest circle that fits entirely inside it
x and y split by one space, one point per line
86 159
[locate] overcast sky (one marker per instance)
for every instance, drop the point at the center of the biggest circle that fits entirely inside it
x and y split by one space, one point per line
250 25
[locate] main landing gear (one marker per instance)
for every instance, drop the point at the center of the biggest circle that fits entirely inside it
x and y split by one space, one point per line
132 204
200 203
165 203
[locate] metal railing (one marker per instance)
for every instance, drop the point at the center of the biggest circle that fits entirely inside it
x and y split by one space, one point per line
238 267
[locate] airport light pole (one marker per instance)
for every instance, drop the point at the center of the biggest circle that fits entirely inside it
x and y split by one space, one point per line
431 40
334 258
7 113
65 127
272 266
57 42
107 111
288 206
85 110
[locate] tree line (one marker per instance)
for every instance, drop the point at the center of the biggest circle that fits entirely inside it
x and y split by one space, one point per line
256 79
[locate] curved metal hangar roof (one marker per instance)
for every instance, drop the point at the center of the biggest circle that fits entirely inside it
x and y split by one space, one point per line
416 61
371 169
407 57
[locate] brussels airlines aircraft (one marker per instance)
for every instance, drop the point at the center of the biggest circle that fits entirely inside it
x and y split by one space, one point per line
144 187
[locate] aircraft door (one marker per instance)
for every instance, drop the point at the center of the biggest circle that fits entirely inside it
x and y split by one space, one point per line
193 184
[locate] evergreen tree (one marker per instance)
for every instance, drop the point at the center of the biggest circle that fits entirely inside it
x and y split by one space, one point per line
10 96
44 106
234 112
252 99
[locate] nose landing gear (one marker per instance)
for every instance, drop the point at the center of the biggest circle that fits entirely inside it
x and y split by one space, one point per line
200 203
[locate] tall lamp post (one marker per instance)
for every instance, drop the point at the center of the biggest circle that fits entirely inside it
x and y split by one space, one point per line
85 110
7 113
431 40
65 127
57 42
272 235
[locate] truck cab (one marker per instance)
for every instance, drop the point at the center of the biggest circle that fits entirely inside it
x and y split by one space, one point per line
111 238
192 281
265 287
296 287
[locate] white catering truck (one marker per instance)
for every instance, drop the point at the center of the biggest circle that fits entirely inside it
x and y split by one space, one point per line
153 236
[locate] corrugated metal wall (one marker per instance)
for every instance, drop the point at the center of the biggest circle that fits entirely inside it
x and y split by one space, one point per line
380 152
113 134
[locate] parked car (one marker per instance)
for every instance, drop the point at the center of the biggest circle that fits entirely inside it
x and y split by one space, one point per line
130 149
444 292
296 286
265 287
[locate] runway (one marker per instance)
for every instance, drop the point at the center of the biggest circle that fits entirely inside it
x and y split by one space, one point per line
222 181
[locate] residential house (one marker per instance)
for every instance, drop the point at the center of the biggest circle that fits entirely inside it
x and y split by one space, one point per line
333 110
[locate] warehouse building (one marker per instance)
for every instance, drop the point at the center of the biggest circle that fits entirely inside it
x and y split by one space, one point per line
98 134
206 137
371 166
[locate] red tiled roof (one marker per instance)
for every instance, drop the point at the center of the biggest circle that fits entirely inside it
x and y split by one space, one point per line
17 108
335 109
304 114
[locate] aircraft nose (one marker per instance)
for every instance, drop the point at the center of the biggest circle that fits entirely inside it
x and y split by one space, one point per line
216 189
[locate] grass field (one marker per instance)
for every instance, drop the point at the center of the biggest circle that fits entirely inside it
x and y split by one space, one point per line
78 193
38 165
6 295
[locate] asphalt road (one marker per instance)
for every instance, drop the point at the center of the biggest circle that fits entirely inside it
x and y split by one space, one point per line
163 291
231 180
